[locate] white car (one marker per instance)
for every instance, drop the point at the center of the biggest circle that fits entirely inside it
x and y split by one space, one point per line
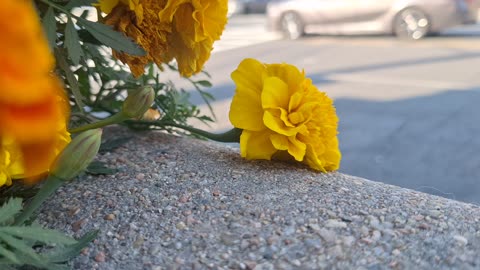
411 19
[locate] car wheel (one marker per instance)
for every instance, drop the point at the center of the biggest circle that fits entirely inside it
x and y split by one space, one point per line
411 23
292 25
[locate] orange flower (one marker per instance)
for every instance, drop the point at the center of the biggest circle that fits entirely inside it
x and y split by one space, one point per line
33 106
184 30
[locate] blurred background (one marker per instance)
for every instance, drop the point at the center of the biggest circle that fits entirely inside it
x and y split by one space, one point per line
405 76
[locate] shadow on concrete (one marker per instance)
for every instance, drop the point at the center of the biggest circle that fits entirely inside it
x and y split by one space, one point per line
396 64
224 91
430 143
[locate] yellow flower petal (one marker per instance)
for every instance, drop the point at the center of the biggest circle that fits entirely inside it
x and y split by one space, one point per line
246 110
288 74
328 160
296 100
304 113
275 93
139 13
273 120
184 30
280 142
4 178
249 75
299 119
296 148
312 160
4 163
256 145
107 5
296 117
168 12
208 19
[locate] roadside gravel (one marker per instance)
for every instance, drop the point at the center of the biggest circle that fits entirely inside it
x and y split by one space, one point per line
180 203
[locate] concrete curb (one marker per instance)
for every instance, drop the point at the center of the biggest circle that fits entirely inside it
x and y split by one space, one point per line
180 203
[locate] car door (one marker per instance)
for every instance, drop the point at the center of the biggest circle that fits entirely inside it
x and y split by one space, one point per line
332 11
369 10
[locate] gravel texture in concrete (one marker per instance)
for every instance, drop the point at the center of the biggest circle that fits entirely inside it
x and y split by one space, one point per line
180 203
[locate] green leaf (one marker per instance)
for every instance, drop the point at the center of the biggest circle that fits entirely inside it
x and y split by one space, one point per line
79 3
84 82
10 209
50 27
42 264
113 144
98 167
86 37
9 268
111 38
72 42
205 119
38 234
204 83
21 247
206 95
207 74
72 80
68 252
10 256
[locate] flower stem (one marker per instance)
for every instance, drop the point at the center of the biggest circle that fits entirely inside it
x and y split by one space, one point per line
51 184
114 119
231 136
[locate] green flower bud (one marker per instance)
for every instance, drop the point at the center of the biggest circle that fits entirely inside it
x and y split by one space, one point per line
138 102
77 155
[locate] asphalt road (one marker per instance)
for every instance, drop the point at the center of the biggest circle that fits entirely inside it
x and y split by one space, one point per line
409 113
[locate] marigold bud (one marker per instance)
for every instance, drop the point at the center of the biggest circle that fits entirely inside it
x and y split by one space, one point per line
151 115
138 102
77 155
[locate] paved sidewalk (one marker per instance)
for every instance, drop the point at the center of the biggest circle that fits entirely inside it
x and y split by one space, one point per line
408 112
244 30
180 203
430 144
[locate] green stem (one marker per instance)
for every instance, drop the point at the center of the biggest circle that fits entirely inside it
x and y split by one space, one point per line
51 184
99 14
230 136
58 8
114 119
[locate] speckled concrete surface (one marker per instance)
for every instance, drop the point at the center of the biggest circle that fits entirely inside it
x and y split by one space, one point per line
179 203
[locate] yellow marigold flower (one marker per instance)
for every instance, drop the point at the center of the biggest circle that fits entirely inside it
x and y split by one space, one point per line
280 112
33 106
184 30
8 166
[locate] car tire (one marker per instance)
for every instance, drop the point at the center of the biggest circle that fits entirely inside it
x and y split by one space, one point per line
292 25
411 23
